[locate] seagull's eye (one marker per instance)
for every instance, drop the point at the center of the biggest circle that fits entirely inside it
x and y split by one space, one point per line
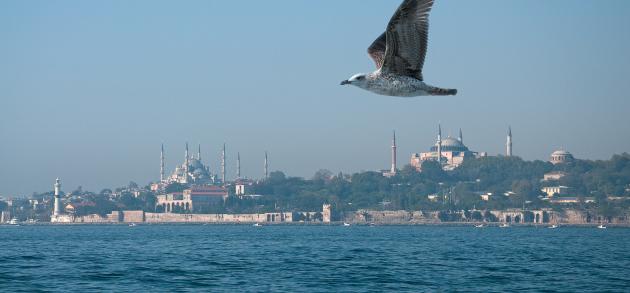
360 77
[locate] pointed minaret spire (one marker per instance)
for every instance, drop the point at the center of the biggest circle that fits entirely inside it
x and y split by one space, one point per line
199 152
186 162
508 144
266 165
186 153
393 170
162 164
223 164
439 143
461 136
238 165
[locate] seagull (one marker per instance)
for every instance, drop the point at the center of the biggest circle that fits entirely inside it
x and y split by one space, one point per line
399 55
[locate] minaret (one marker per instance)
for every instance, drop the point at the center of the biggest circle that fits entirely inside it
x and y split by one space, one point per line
266 166
439 143
199 152
162 164
223 164
393 170
509 142
57 210
461 137
186 164
238 165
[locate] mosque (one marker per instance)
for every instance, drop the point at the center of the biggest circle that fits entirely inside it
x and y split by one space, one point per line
191 171
452 152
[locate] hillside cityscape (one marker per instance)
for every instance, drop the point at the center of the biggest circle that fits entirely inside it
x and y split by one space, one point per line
448 183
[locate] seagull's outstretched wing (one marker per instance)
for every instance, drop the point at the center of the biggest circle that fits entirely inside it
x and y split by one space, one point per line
377 51
406 39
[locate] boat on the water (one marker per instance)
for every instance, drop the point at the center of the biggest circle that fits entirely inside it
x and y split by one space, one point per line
504 225
553 227
257 225
132 225
480 226
601 226
14 221
346 224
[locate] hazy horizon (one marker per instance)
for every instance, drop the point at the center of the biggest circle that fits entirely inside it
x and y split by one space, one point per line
89 90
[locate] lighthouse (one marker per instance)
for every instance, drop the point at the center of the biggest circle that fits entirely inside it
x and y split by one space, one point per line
57 210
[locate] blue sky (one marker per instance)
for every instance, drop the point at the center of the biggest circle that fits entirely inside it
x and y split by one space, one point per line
90 89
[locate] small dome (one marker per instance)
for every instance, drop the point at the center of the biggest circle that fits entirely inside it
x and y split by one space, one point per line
561 156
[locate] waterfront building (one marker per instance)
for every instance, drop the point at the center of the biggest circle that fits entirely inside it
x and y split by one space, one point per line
240 186
569 200
449 152
197 198
561 157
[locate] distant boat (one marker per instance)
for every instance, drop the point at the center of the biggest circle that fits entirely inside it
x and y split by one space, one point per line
480 226
13 221
257 225
346 224
601 226
504 225
132 225
372 224
553 227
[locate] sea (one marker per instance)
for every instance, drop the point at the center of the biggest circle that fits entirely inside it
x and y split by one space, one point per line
308 258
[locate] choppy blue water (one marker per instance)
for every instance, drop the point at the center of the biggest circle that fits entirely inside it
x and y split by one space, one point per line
312 258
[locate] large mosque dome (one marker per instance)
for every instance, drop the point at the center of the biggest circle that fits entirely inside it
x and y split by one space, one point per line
450 144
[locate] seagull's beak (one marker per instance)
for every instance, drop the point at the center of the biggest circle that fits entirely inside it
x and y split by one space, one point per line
345 82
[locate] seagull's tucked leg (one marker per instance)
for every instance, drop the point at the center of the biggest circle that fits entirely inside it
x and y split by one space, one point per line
436 91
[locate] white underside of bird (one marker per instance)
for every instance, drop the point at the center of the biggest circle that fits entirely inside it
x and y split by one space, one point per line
399 55
395 85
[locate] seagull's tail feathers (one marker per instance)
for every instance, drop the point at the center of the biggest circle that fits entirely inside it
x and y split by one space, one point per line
436 91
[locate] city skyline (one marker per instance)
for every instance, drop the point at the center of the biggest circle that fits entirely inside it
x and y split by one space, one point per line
216 168
89 91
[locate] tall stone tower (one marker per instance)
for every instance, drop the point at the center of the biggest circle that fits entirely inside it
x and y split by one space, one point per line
199 152
57 209
266 166
326 213
238 165
162 164
508 144
461 136
394 168
223 165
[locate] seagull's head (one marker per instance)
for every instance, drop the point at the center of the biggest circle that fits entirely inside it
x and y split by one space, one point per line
359 80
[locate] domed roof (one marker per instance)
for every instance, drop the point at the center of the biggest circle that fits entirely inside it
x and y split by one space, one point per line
195 164
561 153
452 142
